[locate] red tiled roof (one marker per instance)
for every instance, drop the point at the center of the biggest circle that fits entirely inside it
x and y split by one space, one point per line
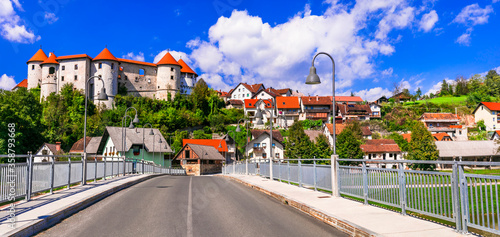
455 126
168 59
235 102
407 136
439 117
73 56
50 60
252 88
492 106
380 146
316 100
354 109
39 56
348 99
105 55
136 62
78 145
440 136
287 102
208 142
23 83
283 91
250 103
185 68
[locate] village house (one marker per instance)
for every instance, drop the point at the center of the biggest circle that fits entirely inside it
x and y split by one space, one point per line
288 110
258 148
316 108
266 94
244 91
226 149
376 110
496 135
92 145
400 97
444 123
46 152
348 100
467 151
489 112
350 112
236 104
253 105
381 149
328 131
381 100
197 160
442 136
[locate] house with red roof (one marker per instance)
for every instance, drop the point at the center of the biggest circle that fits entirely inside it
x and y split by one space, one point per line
245 91
348 99
381 149
316 108
23 84
350 112
259 147
227 150
266 94
251 106
328 131
489 113
288 110
442 136
444 123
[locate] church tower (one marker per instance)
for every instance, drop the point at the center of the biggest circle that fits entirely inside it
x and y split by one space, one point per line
105 65
167 77
35 69
50 67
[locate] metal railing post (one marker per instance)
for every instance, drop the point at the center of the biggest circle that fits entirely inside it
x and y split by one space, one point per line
69 172
288 170
365 183
27 176
246 167
279 170
455 194
52 175
124 165
112 167
334 168
300 173
314 173
105 166
95 169
463 198
142 166
402 188
30 182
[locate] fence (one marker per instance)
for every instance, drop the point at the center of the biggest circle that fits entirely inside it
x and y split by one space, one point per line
19 180
454 196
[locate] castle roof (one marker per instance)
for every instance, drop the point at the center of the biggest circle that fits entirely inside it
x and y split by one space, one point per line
50 60
136 62
23 83
168 59
39 56
105 55
73 56
185 68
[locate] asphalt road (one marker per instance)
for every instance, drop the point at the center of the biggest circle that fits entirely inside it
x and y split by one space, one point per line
190 206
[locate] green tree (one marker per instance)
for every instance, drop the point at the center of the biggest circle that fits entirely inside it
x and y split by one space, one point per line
322 149
422 147
348 147
399 139
298 144
418 93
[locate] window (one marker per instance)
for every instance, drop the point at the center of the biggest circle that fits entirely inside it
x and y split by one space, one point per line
44 152
395 156
33 67
100 65
126 78
76 77
63 68
149 80
239 90
171 69
390 154
62 78
186 154
369 156
112 66
251 155
277 155
264 145
52 70
121 69
264 155
274 145
256 145
171 77
248 95
383 157
76 66
141 72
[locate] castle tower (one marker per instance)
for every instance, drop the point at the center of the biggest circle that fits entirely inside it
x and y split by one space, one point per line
167 77
188 78
50 67
35 69
105 65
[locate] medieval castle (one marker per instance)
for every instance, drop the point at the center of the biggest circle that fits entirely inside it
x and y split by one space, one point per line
139 78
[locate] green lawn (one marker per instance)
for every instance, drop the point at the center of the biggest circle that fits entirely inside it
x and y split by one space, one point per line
444 100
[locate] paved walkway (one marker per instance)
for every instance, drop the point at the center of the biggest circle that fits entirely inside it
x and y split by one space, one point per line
44 211
349 216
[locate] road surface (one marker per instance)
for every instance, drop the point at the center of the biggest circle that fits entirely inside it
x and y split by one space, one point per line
190 206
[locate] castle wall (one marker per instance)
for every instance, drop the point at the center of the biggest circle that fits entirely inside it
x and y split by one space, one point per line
187 82
49 81
168 81
137 85
68 74
34 74
109 74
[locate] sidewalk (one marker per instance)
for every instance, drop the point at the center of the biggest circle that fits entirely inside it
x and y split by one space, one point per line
349 216
46 210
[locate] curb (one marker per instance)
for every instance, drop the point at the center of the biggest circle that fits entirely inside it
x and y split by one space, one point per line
338 223
55 217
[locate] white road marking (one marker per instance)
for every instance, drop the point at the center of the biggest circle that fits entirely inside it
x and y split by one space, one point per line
190 211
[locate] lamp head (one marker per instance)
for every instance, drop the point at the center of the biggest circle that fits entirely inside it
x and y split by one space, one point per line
131 126
102 95
227 138
136 119
159 141
151 132
258 114
238 129
260 122
313 78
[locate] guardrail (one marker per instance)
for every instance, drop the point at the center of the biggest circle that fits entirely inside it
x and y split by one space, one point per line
467 200
19 180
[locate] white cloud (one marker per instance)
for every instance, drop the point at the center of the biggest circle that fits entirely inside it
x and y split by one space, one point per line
12 28
7 82
136 57
373 93
244 48
428 21
387 72
464 39
473 15
50 17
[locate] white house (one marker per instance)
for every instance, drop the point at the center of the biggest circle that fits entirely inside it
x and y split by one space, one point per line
376 110
381 149
252 105
49 150
244 91
288 110
265 94
258 148
489 113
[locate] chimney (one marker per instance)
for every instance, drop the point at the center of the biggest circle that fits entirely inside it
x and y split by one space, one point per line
317 98
58 146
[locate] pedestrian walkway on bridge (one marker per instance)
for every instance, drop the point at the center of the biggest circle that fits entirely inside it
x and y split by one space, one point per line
349 216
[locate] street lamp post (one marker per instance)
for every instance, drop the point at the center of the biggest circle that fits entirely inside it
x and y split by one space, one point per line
143 144
238 129
102 96
124 134
259 115
235 148
159 141
312 79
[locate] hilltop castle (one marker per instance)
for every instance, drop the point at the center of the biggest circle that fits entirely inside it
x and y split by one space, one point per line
139 78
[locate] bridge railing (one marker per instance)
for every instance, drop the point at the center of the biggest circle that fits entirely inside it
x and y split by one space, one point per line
453 196
23 179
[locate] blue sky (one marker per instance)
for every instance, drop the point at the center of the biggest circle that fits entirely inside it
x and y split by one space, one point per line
375 43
